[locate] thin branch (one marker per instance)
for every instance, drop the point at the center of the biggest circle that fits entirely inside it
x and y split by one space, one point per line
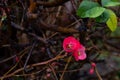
33 65
100 78
7 73
43 25
69 59
30 73
31 34
28 57
52 3
54 73
7 59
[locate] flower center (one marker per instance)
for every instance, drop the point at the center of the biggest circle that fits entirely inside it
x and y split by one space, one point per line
69 46
79 53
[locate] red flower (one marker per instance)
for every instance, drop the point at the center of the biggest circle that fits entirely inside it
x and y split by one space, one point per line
70 44
80 54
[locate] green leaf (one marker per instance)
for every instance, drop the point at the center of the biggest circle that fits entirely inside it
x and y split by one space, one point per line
116 32
115 0
108 3
86 5
93 12
103 17
112 21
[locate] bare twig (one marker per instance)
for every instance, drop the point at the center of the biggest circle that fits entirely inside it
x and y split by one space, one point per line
29 54
7 59
100 78
43 25
14 55
31 73
33 65
52 3
31 34
69 59
7 73
54 73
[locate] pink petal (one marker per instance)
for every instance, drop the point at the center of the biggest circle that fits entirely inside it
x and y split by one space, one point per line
80 54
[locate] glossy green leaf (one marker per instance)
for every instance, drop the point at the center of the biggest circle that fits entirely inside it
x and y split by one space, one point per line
116 32
103 17
84 6
93 12
115 0
108 3
112 21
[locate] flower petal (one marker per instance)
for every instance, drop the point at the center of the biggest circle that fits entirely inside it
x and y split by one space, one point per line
80 54
70 44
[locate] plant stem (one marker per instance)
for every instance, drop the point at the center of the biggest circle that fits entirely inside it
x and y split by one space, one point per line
69 59
100 78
